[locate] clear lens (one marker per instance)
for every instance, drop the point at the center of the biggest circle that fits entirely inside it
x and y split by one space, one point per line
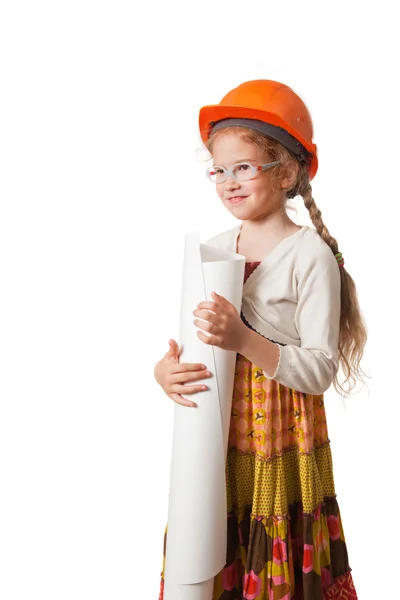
241 172
216 174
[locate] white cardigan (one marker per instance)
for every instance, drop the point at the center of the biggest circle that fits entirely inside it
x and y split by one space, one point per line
293 298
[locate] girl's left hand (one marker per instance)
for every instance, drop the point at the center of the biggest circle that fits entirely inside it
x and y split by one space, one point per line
224 323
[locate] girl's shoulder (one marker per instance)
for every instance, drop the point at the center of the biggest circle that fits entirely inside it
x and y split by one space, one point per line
314 252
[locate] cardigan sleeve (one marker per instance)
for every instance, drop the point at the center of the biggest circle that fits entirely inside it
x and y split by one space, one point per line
312 367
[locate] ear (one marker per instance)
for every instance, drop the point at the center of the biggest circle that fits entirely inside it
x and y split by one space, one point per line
292 168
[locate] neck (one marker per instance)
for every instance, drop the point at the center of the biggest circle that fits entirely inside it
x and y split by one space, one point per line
274 226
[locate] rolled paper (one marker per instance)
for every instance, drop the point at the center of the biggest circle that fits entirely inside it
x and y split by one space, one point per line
197 511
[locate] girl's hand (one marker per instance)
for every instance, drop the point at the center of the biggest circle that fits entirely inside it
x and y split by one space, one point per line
170 374
224 324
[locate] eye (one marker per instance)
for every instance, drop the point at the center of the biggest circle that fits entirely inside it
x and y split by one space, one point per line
244 166
217 170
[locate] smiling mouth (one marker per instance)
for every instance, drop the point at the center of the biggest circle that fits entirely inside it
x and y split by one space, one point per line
236 199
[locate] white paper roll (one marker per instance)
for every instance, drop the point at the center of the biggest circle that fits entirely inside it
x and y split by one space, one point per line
197 515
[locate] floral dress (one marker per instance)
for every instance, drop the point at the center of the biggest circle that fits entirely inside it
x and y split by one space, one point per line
285 537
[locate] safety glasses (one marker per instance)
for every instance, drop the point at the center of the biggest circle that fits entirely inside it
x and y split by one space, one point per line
239 172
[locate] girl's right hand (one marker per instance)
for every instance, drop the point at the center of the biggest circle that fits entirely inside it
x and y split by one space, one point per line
171 375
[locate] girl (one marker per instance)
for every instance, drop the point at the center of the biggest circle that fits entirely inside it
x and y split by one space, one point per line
299 320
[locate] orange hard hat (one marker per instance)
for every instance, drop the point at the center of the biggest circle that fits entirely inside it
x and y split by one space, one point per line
273 108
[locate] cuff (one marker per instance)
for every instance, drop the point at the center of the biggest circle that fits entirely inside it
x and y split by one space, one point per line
283 368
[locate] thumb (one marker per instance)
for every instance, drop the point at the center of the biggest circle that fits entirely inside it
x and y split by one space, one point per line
173 351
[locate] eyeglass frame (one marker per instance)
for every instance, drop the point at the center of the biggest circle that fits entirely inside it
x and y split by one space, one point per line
229 172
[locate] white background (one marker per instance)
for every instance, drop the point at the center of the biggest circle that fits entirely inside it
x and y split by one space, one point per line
100 179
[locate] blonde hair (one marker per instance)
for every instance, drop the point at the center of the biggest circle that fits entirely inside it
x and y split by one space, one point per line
353 332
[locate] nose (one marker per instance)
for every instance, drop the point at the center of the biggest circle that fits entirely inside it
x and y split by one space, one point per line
230 182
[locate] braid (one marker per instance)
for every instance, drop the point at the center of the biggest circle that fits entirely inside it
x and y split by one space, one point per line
353 333
316 218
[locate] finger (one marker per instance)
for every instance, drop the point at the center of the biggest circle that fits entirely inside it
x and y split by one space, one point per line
188 389
182 401
217 304
207 339
189 376
173 352
220 299
175 346
206 326
182 367
209 316
208 306
172 347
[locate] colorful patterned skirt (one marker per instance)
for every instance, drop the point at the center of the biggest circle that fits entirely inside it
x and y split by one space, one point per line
285 536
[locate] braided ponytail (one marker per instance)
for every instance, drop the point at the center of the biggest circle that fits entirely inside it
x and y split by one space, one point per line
353 333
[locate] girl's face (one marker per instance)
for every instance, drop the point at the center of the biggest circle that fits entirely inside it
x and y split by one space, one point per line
261 197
